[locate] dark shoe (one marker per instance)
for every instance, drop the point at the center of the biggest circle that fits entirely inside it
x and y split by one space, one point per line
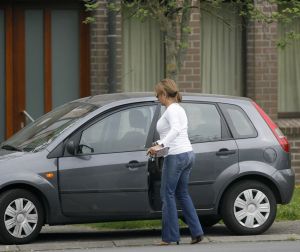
197 239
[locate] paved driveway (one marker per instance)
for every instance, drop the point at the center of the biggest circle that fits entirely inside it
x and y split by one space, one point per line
82 237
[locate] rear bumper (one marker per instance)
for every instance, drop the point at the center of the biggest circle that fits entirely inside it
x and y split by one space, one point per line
285 180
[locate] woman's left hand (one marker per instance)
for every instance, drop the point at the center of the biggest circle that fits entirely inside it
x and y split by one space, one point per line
152 150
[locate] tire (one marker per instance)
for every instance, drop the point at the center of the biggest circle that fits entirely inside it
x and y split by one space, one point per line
209 220
248 208
21 216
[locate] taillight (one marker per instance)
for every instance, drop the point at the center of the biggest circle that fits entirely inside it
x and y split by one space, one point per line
275 129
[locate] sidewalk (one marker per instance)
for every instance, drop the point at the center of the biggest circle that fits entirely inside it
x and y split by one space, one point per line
82 237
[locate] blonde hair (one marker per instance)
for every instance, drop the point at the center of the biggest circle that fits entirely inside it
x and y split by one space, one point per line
169 88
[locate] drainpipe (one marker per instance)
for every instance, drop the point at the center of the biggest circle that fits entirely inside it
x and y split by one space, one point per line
111 39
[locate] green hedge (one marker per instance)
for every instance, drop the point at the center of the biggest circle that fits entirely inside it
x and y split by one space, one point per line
292 210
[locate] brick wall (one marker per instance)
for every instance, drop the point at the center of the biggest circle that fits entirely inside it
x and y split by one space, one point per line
262 69
262 78
189 76
295 150
188 79
291 128
99 46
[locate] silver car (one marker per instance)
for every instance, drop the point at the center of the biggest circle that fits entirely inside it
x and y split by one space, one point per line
85 162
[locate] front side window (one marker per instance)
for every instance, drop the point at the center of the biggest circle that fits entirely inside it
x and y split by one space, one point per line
204 122
122 131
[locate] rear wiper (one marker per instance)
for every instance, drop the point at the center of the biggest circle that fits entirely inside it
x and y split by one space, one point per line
10 147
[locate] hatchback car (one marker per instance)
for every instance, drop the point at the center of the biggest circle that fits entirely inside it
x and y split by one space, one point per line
86 162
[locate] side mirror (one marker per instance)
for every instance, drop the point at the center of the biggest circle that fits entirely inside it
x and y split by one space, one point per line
71 148
82 147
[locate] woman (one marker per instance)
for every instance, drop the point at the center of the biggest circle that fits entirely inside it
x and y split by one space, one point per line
172 128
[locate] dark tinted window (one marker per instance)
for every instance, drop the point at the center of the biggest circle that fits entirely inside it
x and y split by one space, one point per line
238 121
204 122
124 130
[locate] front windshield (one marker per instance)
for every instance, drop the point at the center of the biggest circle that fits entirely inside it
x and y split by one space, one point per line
39 134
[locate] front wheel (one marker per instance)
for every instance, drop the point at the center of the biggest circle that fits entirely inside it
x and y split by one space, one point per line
21 216
248 208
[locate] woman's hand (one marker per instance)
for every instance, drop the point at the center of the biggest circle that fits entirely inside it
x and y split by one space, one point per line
152 150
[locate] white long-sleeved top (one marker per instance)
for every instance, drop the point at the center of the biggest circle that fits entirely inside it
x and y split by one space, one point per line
172 128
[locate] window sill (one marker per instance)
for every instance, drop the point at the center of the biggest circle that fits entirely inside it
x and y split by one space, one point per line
290 127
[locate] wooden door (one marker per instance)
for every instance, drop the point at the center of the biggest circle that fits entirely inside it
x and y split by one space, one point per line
46 59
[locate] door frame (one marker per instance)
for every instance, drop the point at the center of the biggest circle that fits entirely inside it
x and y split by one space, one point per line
15 58
8 68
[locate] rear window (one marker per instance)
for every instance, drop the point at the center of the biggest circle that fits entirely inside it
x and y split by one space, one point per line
239 122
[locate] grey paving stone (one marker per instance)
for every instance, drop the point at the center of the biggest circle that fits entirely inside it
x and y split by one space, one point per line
8 248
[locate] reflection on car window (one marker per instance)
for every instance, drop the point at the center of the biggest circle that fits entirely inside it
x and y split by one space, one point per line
241 125
122 131
204 122
38 135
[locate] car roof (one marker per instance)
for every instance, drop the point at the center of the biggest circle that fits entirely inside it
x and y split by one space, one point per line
128 97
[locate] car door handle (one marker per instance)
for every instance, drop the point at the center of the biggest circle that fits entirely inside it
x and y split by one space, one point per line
225 152
135 164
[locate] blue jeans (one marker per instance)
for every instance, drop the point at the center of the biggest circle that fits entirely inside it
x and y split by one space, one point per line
174 185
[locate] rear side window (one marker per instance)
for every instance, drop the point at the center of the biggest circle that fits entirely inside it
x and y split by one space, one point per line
204 122
239 122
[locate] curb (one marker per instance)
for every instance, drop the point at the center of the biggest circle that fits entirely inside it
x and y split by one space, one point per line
58 246
67 237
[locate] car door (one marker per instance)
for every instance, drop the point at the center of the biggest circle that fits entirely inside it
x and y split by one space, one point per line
216 152
108 176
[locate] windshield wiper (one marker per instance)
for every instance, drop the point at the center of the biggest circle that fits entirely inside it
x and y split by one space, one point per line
10 147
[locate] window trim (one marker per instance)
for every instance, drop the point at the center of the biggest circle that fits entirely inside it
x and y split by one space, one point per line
288 115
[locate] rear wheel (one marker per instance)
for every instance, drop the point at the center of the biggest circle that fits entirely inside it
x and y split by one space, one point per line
21 216
248 208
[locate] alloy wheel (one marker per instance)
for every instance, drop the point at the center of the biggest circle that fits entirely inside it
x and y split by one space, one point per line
21 217
252 208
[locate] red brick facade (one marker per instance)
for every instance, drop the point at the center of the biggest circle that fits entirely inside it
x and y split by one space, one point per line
189 77
261 67
99 51
295 149
291 128
99 46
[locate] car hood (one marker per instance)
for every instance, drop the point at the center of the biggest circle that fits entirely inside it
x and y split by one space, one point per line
15 161
8 155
